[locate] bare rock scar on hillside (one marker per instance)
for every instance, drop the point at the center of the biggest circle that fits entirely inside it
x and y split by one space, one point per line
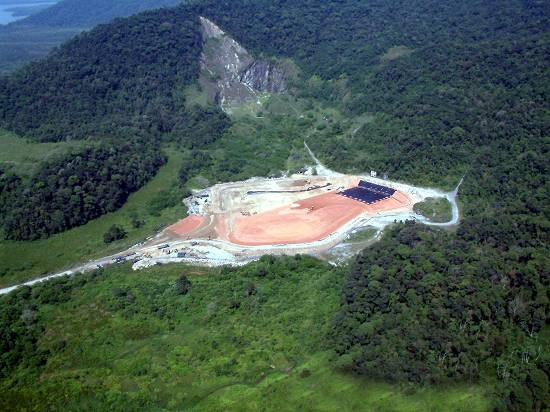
231 75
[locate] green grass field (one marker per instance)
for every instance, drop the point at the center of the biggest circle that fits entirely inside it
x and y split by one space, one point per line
23 157
243 339
22 260
435 209
329 390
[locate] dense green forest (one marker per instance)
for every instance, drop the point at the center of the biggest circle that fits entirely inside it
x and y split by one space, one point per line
127 73
231 339
75 188
423 91
428 306
120 84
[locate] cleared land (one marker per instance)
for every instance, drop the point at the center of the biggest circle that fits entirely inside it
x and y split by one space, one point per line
294 210
234 223
305 221
230 224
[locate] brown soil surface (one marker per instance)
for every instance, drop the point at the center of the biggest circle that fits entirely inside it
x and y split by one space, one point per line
299 221
186 225
304 221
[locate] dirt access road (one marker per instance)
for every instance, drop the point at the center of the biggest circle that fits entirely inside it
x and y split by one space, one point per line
235 223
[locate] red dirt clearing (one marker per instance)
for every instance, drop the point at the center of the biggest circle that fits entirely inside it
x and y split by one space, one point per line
305 221
186 225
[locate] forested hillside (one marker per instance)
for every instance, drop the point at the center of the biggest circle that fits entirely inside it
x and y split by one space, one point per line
426 91
442 80
432 307
127 73
449 89
121 84
33 37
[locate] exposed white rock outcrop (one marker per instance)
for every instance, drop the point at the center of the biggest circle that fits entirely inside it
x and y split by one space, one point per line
233 76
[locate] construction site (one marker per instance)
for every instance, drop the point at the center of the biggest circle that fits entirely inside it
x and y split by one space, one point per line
234 223
313 213
277 212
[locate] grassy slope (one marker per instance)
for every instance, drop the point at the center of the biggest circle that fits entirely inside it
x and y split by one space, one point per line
329 390
23 260
435 209
204 352
23 156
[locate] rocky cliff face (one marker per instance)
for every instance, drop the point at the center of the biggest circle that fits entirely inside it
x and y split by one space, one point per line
231 75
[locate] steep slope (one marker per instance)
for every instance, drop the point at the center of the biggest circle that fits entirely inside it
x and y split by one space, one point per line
124 73
464 63
120 85
233 76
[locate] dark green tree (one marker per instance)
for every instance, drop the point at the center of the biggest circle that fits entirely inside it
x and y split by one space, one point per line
115 232
183 285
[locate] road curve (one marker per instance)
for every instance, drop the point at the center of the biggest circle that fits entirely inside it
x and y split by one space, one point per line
451 197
